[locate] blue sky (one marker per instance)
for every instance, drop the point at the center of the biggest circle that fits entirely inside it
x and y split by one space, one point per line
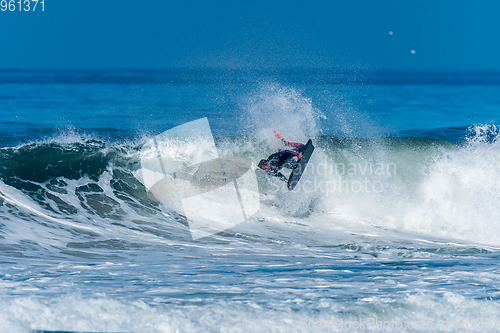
444 34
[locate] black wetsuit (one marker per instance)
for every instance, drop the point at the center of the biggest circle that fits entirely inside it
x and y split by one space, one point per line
282 159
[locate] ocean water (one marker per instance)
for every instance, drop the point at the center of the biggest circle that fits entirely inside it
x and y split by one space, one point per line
394 227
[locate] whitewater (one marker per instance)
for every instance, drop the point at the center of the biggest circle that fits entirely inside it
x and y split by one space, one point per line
388 230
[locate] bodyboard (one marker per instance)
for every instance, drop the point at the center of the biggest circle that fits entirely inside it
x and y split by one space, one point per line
301 166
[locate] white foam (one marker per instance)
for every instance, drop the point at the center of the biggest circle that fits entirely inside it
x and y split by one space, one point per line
103 314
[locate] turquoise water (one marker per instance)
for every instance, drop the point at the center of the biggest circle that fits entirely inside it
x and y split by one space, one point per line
396 224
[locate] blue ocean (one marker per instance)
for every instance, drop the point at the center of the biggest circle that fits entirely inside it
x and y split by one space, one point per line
395 226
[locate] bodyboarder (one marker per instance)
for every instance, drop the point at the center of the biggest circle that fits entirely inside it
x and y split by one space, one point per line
283 158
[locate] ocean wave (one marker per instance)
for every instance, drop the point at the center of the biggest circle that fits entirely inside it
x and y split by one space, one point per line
425 186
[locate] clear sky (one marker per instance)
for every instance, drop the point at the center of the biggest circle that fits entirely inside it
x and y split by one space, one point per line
355 34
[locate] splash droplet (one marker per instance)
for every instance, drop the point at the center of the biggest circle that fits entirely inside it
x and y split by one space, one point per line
413 51
391 32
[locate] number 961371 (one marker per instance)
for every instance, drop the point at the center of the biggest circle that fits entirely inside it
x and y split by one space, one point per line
21 5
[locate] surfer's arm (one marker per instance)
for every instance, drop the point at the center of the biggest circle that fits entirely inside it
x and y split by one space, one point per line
287 143
281 176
